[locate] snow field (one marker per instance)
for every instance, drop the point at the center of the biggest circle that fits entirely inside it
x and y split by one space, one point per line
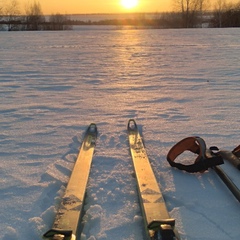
175 83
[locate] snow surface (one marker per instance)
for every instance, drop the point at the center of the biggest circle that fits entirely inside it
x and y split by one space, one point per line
175 83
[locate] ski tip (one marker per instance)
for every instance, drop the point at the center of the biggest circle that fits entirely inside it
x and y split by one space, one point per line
92 128
132 125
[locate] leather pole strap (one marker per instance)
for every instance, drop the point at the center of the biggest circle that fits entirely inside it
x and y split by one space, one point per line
205 158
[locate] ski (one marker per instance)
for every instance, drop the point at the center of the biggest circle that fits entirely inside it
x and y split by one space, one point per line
158 223
65 226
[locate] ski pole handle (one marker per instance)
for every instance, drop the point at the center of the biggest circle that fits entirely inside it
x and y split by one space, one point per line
229 183
231 158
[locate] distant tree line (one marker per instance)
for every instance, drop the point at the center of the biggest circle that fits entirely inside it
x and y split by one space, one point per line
226 15
186 14
196 13
32 20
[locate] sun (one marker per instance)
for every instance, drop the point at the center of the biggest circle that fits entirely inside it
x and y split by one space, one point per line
129 4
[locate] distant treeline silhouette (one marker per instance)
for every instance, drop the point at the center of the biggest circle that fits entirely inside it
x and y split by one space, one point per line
187 14
11 18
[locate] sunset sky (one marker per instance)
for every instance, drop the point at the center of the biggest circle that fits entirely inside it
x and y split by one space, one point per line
100 6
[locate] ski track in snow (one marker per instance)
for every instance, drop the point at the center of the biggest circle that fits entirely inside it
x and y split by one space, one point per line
175 83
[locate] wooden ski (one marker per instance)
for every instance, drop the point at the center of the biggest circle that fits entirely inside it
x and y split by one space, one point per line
158 223
65 226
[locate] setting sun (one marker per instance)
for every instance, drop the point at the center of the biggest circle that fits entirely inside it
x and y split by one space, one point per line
129 4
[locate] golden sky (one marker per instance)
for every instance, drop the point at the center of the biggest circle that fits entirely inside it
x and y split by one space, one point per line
100 6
